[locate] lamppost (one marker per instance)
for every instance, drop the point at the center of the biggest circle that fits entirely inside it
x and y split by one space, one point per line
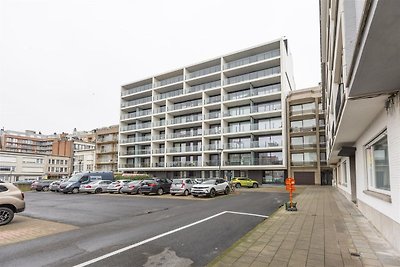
220 161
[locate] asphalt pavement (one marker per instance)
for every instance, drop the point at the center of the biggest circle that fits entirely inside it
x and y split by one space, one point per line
116 230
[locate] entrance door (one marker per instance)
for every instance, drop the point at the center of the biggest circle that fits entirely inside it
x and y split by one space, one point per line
305 178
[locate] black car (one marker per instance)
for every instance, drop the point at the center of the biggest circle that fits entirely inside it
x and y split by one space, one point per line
157 186
43 185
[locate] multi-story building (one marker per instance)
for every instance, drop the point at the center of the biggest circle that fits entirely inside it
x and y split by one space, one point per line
361 82
25 142
16 166
107 148
84 156
223 116
306 137
57 167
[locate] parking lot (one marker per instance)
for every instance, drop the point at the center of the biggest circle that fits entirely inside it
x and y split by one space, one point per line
117 230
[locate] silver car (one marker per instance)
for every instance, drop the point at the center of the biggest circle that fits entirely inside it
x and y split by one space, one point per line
181 186
95 187
115 187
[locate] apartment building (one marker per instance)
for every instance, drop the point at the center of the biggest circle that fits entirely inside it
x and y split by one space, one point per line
84 156
361 82
107 148
16 166
306 137
25 142
221 117
57 167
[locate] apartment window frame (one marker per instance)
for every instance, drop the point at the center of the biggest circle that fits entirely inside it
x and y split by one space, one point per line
370 164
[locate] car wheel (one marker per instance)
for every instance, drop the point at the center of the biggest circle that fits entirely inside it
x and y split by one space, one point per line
255 185
195 195
97 191
146 194
46 188
139 191
160 191
75 190
238 185
172 194
186 193
6 215
212 192
227 190
119 191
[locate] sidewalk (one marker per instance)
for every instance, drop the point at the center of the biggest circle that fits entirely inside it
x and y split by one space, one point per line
327 230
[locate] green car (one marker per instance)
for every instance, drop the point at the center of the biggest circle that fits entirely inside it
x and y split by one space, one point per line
242 181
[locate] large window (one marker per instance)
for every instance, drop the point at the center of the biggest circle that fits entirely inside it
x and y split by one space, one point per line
377 157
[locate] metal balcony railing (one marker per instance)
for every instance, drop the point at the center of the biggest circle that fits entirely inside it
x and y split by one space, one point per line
184 164
137 89
252 59
253 75
135 102
203 72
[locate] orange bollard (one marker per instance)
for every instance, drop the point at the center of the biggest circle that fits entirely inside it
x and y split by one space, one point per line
290 182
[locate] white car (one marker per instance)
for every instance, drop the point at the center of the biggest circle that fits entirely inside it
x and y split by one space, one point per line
211 188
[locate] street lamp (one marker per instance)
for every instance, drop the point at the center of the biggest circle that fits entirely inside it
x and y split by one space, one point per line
220 161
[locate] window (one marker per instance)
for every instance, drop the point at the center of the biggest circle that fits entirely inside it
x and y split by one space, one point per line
377 156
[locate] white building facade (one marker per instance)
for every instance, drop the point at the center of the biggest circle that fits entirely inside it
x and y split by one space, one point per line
360 75
221 117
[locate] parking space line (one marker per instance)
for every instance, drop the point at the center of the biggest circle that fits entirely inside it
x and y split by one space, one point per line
162 235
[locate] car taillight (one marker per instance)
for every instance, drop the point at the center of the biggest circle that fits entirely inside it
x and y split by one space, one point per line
152 185
88 186
131 186
22 195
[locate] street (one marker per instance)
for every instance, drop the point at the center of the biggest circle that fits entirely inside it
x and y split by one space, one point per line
119 230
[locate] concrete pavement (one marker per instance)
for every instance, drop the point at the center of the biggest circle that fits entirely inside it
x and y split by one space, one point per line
327 230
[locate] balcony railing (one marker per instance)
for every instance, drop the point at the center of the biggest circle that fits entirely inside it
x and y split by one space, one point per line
159 110
237 128
143 138
188 104
252 59
253 75
203 72
136 152
136 102
303 146
185 119
212 163
212 99
303 129
169 80
237 112
158 164
212 131
213 115
159 123
168 94
158 137
203 86
184 164
159 151
265 90
185 134
184 149
136 114
237 145
266 108
212 147
304 163
137 89
258 144
128 128
237 95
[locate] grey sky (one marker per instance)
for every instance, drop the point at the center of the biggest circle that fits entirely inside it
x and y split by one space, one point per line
62 62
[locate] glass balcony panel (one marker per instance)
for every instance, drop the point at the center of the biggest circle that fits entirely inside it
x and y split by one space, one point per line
213 99
184 164
135 102
170 80
203 72
186 119
137 89
203 86
238 95
188 104
252 59
253 75
212 131
265 90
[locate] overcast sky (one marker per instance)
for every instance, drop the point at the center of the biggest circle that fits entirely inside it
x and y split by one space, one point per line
62 62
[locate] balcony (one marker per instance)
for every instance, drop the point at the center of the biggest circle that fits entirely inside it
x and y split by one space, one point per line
143 138
203 86
136 114
188 104
237 112
212 99
213 115
128 128
158 164
158 137
237 129
212 163
159 110
184 164
169 81
266 90
258 144
237 145
185 119
137 89
185 134
253 75
303 129
136 102
212 131
136 152
168 94
107 139
303 146
252 59
238 95
304 163
159 123
212 147
185 149
203 72
159 151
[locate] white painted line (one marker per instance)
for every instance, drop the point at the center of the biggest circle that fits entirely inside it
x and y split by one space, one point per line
248 214
161 235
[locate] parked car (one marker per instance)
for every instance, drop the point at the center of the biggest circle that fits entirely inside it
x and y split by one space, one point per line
133 187
34 184
11 201
95 187
157 186
243 181
73 183
199 180
211 188
43 185
55 186
115 187
181 186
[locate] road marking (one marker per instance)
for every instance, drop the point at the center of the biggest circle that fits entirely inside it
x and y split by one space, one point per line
162 235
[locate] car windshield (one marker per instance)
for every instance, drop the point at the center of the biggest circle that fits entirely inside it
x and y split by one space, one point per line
209 182
177 181
75 178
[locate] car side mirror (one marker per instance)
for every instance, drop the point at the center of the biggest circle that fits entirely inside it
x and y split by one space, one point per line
216 183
